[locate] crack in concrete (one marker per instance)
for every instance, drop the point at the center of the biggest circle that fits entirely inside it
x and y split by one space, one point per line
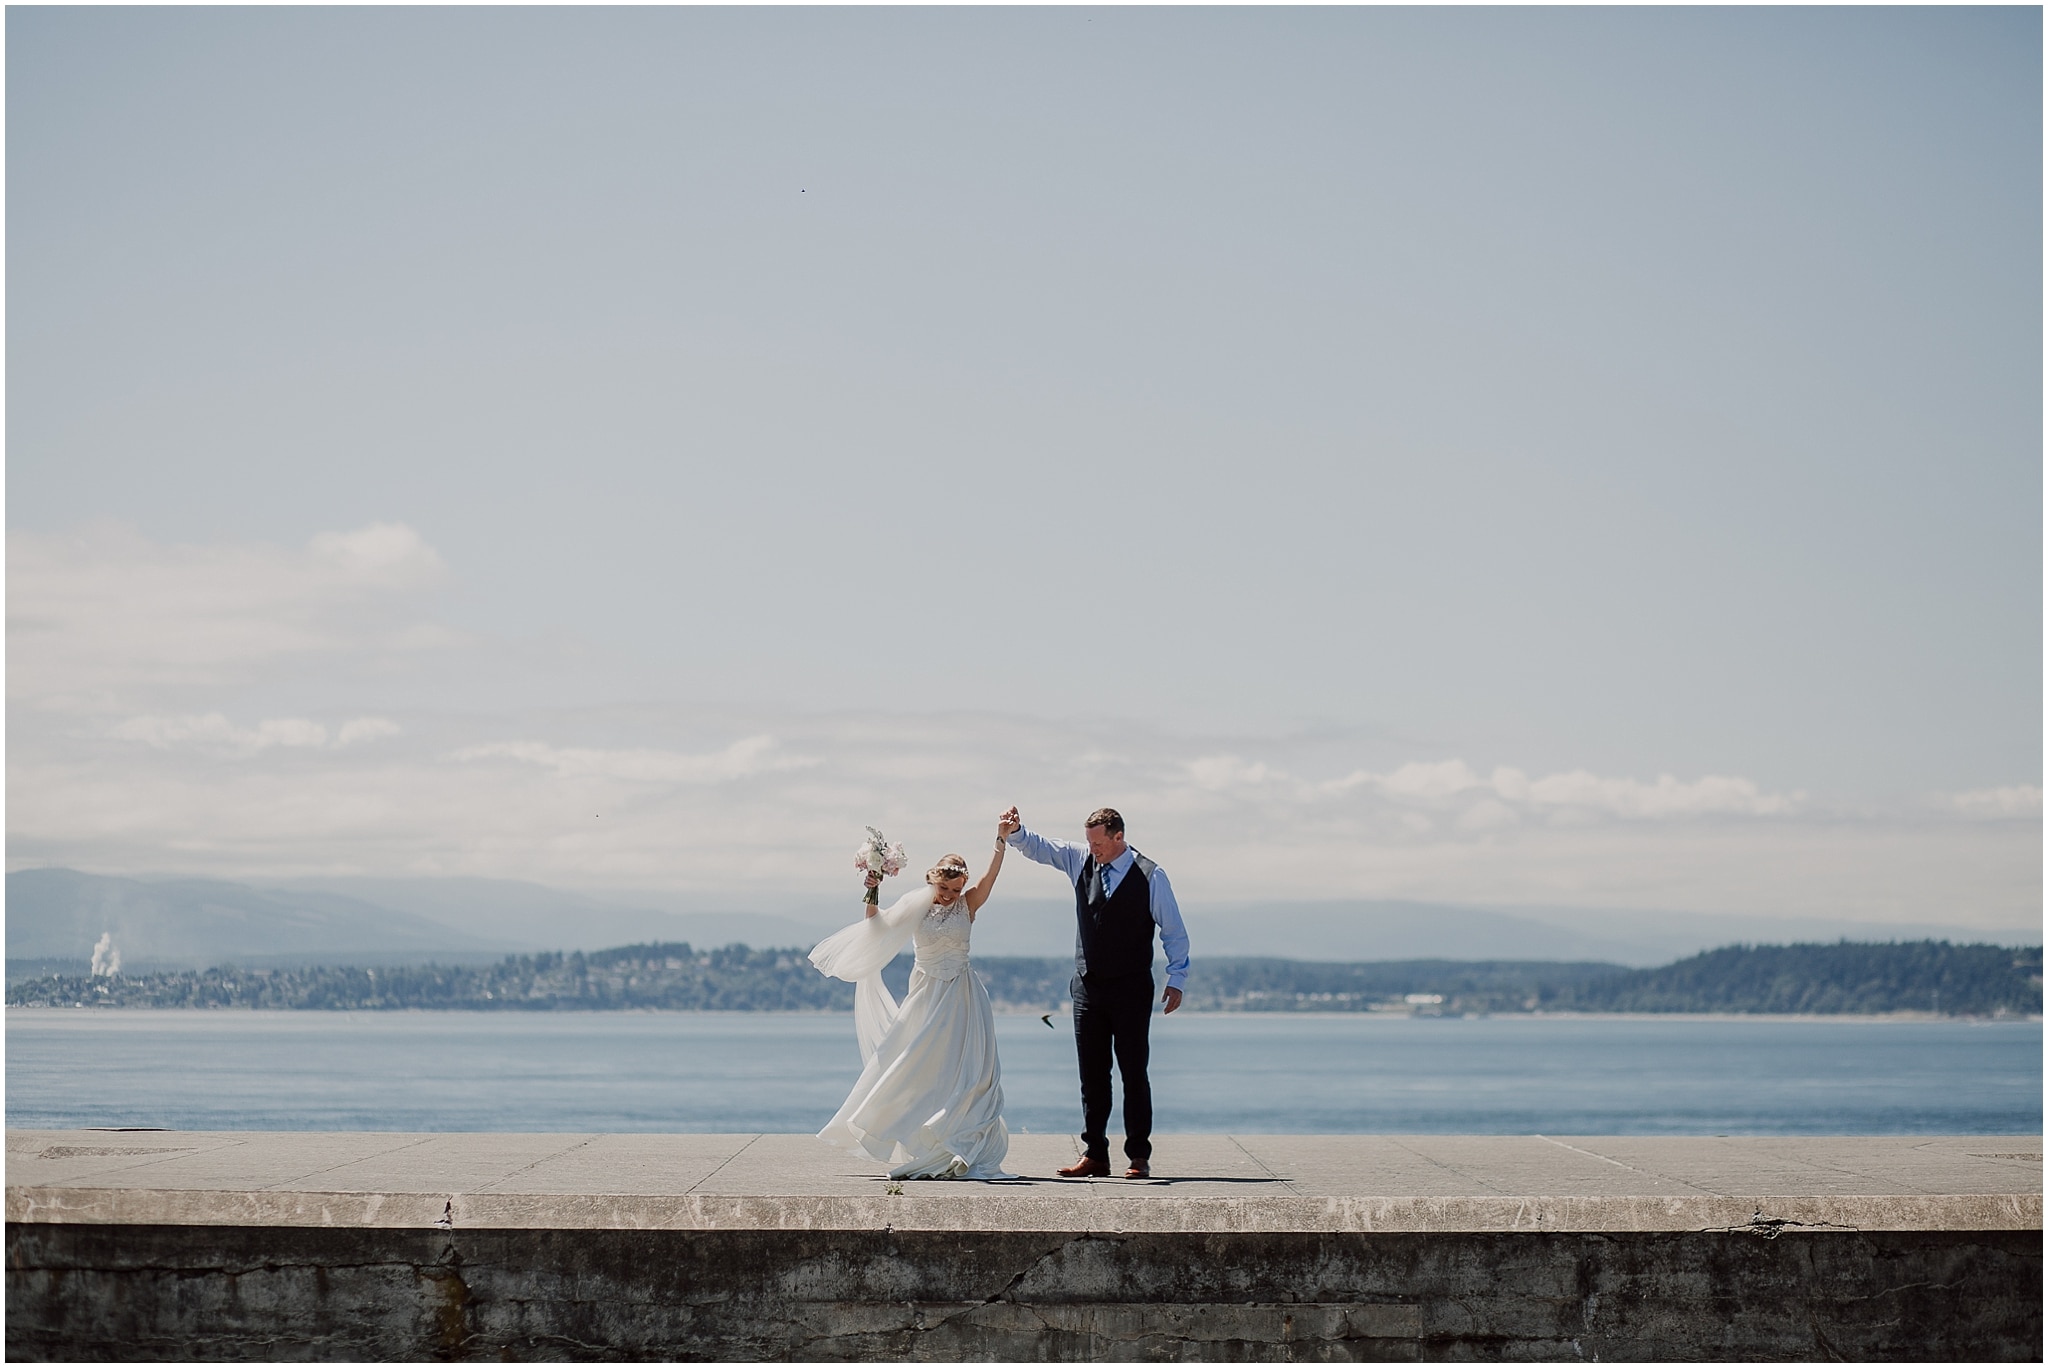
1399 1144
1261 1164
1837 1170
1062 1247
544 1159
1640 1173
722 1164
1771 1227
1904 1287
413 1143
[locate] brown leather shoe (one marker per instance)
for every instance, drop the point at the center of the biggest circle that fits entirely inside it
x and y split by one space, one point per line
1084 1167
1138 1169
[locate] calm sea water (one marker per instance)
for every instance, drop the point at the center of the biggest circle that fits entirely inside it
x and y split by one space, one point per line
743 1071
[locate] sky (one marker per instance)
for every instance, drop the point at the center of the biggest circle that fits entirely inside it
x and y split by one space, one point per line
1581 457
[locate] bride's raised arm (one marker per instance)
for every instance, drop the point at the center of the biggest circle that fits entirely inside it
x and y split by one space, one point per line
978 894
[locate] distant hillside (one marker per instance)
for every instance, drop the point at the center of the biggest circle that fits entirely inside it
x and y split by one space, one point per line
1929 976
1974 980
59 914
515 915
55 916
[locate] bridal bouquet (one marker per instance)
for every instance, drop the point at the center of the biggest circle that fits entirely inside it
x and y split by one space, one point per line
878 855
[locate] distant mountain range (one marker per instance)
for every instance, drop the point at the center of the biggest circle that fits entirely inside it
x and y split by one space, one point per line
511 915
59 914
55 916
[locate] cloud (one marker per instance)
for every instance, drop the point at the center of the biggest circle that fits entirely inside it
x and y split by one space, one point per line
768 800
1439 779
1574 794
1487 815
389 555
747 756
214 730
360 729
1219 773
107 616
1716 795
2019 800
242 712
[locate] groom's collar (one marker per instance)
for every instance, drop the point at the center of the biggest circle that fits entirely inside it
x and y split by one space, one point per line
1121 863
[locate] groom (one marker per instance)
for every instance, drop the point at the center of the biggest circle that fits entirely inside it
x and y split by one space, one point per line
1119 896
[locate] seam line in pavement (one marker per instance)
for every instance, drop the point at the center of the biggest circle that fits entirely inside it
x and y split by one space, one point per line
1263 1166
1449 1168
1641 1173
358 1159
544 1159
1790 1156
723 1163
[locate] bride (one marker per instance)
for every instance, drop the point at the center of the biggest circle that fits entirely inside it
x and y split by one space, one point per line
929 1102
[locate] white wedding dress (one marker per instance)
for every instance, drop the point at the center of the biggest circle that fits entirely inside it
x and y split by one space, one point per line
929 1102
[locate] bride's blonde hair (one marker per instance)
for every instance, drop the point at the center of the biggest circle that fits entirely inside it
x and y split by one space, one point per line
948 867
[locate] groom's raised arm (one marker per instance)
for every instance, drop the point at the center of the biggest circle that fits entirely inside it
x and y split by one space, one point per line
1061 855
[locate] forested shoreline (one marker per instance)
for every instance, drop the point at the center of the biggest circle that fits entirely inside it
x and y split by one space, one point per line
1825 979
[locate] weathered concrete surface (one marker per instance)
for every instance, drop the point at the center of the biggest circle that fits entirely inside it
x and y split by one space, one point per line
1201 1183
240 1245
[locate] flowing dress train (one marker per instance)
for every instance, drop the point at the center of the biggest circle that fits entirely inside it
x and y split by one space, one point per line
929 1102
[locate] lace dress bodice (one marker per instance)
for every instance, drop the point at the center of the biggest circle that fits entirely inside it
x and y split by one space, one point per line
940 940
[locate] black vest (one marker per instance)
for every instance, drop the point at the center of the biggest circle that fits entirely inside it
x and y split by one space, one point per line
1114 935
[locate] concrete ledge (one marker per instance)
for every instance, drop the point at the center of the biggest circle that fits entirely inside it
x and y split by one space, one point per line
239 1245
1257 1183
1189 1215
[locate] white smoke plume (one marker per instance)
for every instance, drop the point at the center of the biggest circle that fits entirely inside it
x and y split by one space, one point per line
106 960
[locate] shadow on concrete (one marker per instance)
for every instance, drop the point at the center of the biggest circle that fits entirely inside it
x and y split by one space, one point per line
1195 1178
1027 1180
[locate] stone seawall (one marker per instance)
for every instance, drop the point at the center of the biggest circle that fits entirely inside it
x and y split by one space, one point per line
166 1246
267 1293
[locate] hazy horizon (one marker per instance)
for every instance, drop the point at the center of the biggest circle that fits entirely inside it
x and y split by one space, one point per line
183 925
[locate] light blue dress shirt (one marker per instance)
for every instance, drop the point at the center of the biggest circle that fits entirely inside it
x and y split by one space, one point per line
1071 859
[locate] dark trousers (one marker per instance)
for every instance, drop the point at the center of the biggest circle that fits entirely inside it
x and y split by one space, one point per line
1114 1017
